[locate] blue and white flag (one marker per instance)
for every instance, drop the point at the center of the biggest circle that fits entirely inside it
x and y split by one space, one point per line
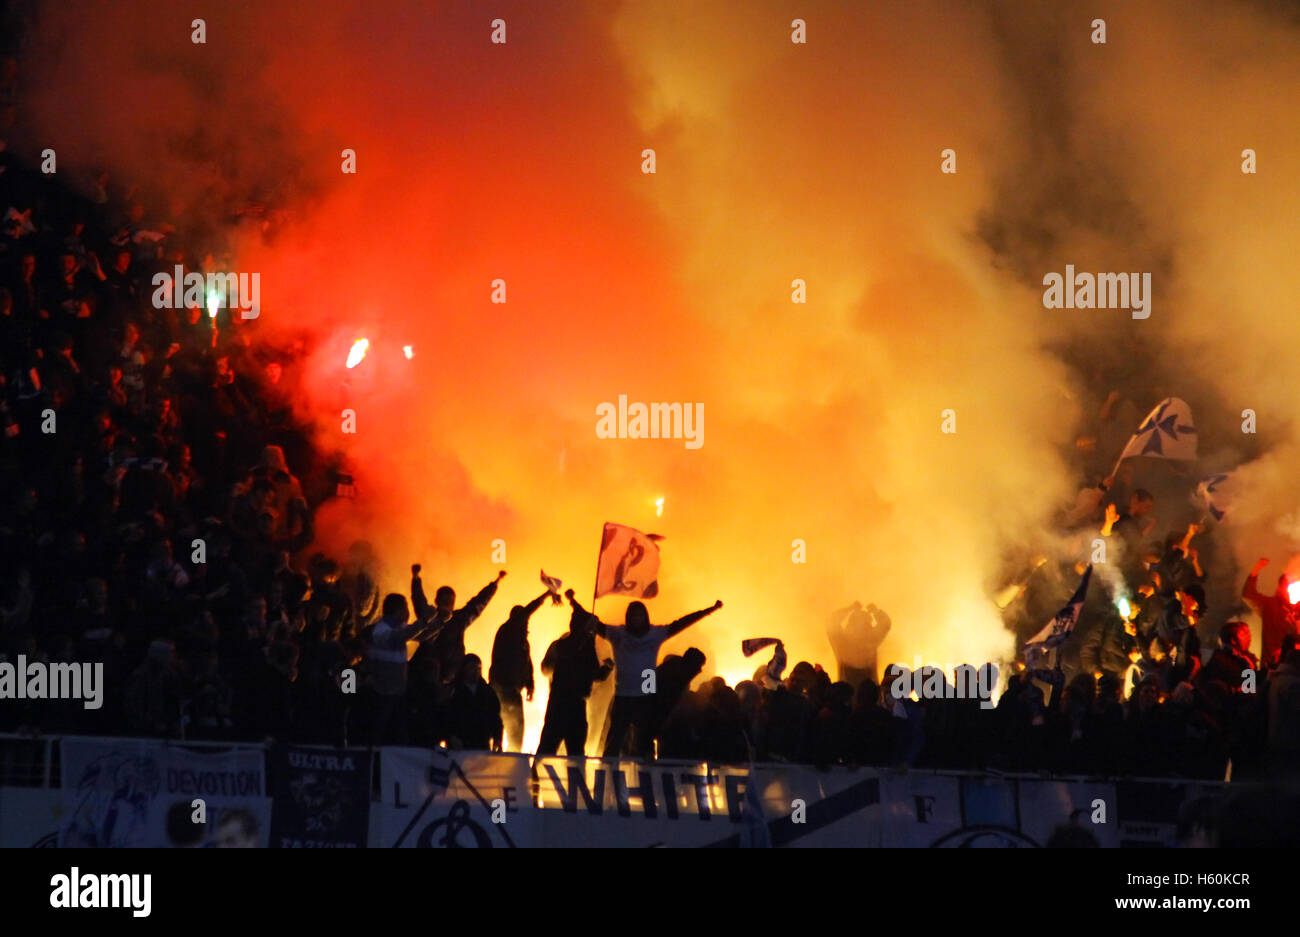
1058 629
771 678
553 586
1211 492
1166 433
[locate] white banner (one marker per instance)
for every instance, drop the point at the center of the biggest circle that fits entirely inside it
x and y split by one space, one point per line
121 793
438 799
607 803
118 792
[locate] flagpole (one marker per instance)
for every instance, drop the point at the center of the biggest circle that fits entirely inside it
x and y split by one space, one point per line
1115 470
595 585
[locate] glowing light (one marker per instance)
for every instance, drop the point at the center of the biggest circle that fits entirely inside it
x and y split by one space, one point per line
407 350
1293 592
1124 608
214 303
659 506
359 349
1008 595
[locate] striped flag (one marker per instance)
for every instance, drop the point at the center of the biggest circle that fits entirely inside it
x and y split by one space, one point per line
629 563
751 646
775 667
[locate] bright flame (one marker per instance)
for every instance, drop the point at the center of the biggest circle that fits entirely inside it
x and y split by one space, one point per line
1293 592
214 303
1124 608
659 506
359 349
406 350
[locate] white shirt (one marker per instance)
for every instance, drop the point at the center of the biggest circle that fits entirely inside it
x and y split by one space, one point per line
634 655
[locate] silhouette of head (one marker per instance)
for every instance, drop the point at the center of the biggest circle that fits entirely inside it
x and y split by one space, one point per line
1235 635
1140 502
471 669
396 610
444 601
802 677
638 619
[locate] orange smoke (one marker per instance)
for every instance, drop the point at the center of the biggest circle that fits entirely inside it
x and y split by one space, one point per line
488 172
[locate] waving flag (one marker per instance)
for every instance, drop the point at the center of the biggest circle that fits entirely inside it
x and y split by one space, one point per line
1211 491
1058 629
775 667
1166 433
751 646
552 586
629 563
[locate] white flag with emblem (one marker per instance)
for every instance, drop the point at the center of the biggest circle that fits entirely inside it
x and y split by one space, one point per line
629 563
1166 433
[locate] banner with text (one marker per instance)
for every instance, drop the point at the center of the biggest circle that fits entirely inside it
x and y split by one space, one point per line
439 799
143 792
321 797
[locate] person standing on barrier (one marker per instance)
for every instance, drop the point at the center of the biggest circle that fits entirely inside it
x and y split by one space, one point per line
572 667
474 712
511 673
636 651
387 660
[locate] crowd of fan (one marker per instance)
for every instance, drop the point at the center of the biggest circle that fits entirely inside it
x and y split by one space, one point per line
150 520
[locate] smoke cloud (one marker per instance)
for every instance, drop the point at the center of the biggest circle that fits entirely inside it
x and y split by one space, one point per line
775 161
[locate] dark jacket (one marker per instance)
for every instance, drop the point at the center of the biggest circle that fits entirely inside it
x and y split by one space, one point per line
672 679
448 646
474 716
571 663
1106 647
1225 665
512 658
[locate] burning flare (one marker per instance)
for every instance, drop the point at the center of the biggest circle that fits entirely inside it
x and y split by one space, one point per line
359 349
